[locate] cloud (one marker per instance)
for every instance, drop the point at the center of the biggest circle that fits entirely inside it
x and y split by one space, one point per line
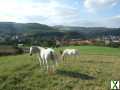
57 12
113 21
41 11
93 5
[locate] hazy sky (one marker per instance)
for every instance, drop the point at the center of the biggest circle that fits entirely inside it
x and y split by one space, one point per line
62 12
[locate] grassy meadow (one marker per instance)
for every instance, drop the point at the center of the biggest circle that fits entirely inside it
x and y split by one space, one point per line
93 70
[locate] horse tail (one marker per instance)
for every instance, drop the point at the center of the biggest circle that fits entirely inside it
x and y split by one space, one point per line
52 55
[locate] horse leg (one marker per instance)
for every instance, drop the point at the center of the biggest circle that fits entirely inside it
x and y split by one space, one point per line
43 60
39 59
46 64
47 68
63 57
56 63
53 68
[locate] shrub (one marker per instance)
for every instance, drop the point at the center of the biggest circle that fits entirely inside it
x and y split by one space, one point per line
10 50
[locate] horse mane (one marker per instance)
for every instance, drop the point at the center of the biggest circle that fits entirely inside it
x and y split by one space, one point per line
35 49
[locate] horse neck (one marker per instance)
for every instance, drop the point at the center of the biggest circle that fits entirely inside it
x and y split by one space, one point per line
36 49
41 48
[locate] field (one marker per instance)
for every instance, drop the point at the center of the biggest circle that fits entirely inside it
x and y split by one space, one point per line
93 70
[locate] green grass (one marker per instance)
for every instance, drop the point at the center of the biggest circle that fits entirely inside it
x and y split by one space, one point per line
97 50
93 70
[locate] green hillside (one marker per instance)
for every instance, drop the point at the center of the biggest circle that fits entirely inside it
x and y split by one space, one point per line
10 27
41 30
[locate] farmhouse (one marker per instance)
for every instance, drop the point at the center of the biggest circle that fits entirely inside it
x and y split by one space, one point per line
77 42
112 41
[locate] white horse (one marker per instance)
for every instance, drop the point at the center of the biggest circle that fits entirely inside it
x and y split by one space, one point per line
45 55
69 52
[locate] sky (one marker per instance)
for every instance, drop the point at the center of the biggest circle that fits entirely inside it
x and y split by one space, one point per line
87 13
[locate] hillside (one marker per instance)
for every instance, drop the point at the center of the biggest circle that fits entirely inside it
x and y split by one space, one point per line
90 31
10 27
40 30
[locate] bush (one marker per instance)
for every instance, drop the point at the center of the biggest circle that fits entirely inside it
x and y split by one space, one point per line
10 50
116 45
99 43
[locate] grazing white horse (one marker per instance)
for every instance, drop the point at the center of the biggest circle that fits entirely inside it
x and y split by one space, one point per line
69 52
45 55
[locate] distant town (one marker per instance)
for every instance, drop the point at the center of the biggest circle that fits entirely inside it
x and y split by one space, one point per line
18 34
